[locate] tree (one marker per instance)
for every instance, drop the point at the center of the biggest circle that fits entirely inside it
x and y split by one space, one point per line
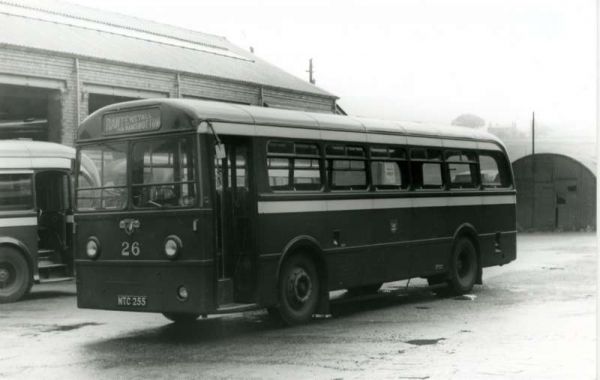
469 120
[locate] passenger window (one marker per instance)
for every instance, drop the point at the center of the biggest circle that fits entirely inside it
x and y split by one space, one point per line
307 175
493 173
16 192
347 174
294 166
432 175
393 172
279 173
426 168
462 169
386 175
462 175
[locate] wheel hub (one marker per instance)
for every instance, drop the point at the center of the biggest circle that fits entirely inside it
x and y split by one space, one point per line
4 276
299 286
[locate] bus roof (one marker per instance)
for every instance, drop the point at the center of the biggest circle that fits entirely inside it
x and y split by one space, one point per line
172 113
27 154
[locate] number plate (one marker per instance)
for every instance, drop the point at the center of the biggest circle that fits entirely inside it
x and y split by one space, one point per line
132 301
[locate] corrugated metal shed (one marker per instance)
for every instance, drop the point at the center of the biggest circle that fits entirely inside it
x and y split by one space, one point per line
554 192
83 32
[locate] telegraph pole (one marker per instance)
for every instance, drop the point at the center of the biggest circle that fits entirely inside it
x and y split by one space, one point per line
533 133
533 169
310 72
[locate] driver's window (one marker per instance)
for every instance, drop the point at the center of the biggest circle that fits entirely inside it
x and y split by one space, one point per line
162 173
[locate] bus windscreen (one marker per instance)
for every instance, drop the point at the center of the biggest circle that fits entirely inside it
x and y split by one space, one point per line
162 175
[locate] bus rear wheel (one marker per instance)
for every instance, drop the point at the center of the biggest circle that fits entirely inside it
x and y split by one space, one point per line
182 318
15 275
464 267
298 290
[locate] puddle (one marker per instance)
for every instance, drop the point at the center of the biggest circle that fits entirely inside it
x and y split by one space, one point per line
422 307
69 327
553 268
424 342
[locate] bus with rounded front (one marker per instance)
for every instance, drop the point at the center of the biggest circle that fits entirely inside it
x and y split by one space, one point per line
202 207
35 215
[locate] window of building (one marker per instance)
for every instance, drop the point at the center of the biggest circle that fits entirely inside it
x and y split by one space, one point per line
346 167
294 166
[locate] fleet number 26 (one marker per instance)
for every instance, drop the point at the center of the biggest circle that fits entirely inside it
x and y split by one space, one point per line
130 249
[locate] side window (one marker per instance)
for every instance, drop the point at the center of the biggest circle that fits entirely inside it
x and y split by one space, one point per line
426 168
462 169
492 170
389 168
16 192
294 166
432 175
346 167
279 173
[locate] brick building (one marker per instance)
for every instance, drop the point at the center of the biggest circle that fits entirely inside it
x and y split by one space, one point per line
59 62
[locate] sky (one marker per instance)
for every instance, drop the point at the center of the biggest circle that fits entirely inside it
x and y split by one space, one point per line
423 60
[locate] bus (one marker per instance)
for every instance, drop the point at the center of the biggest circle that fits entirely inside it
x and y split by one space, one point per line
204 207
35 215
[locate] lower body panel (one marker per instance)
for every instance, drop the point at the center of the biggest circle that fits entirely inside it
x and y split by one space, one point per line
103 286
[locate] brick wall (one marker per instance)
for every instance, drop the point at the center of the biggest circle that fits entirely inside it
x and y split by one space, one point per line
25 66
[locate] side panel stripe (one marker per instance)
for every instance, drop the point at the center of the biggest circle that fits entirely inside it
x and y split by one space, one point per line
15 222
278 207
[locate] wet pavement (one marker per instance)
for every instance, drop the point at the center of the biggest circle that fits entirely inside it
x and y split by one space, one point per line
532 319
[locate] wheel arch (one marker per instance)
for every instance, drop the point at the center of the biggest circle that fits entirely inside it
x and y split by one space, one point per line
310 246
6 241
307 245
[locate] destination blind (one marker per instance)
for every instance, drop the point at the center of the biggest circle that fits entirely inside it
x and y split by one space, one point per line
141 120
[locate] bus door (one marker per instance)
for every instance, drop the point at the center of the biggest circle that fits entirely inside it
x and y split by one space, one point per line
52 190
236 261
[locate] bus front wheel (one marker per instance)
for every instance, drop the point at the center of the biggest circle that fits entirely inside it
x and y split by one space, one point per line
463 267
298 290
15 275
182 318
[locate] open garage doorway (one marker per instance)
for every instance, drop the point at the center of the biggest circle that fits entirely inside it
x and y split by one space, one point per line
29 112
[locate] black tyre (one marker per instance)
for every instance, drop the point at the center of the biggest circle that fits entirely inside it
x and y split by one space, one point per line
298 291
464 266
364 290
15 275
436 281
182 318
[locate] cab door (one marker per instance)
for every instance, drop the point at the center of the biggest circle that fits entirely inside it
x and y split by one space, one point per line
235 253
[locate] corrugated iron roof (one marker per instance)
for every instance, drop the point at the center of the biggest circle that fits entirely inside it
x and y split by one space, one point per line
84 32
